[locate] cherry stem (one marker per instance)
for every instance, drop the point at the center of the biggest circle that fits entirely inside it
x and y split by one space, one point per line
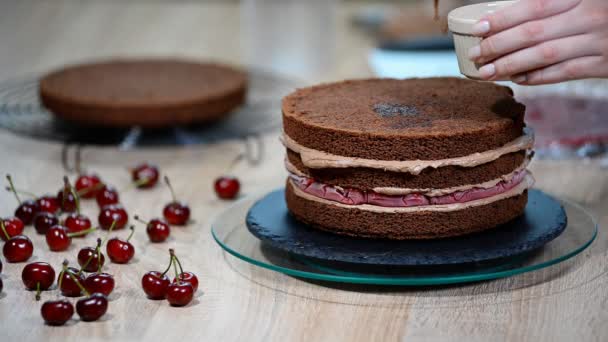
23 192
82 232
95 187
78 283
98 250
109 232
170 188
175 269
76 199
236 160
66 189
170 263
132 228
138 219
12 186
142 181
38 291
8 237
177 260
64 268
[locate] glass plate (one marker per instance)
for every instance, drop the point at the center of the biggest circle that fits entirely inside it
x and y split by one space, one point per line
231 233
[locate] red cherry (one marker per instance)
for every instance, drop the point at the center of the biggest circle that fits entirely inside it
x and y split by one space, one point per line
48 203
87 186
57 312
65 197
13 227
111 213
38 276
92 307
44 221
76 223
176 212
18 249
155 284
107 196
91 259
120 251
58 238
99 283
180 293
187 277
68 286
26 211
157 229
145 175
227 187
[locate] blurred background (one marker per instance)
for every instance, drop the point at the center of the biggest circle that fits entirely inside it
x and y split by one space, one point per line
288 43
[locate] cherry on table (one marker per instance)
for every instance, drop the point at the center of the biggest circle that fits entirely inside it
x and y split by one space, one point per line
18 249
106 196
92 307
27 209
157 229
120 251
44 221
180 293
57 312
99 283
155 284
145 175
38 276
187 277
88 185
76 223
67 284
91 259
176 212
48 204
113 213
58 237
227 187
13 227
67 197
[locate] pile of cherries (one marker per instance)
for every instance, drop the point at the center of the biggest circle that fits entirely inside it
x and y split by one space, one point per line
59 219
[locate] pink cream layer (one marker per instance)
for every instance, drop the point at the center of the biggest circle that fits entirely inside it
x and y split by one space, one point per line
356 197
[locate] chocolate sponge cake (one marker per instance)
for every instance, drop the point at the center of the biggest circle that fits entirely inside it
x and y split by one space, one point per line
406 159
143 92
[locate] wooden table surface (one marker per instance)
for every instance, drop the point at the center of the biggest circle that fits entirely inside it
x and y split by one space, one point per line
236 301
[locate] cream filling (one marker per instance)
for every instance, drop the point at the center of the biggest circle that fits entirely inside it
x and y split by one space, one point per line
526 183
430 192
315 159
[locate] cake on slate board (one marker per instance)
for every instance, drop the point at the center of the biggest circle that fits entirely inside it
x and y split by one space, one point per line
406 159
143 92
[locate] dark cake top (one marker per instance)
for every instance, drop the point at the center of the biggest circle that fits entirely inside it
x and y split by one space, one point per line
426 118
142 82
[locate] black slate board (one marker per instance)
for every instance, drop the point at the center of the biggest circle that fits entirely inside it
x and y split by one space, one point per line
544 220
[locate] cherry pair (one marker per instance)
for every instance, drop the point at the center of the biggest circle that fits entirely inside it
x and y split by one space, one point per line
180 292
97 282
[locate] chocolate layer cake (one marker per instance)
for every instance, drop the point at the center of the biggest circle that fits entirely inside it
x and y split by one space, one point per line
145 92
406 159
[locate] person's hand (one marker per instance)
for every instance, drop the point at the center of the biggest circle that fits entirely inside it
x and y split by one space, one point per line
544 41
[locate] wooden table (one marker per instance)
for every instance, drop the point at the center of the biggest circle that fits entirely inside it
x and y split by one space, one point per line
238 301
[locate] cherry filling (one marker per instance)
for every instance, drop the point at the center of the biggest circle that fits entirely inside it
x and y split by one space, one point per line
357 197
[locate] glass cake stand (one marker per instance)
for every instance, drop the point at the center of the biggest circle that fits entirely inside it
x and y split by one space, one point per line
230 232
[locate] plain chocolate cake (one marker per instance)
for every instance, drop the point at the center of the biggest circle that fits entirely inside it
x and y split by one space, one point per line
143 92
406 159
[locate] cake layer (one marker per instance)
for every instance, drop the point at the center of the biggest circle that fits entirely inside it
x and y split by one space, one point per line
399 224
413 119
410 199
443 177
